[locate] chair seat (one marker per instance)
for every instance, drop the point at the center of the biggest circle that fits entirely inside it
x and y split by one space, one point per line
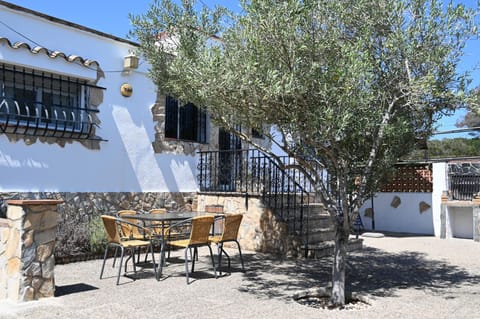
215 239
135 243
187 243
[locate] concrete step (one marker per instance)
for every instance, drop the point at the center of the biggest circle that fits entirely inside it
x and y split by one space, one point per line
326 248
319 221
319 235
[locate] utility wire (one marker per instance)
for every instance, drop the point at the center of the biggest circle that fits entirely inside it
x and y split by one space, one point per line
460 130
39 45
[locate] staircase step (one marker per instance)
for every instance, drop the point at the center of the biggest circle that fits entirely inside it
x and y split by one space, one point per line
319 221
326 248
320 235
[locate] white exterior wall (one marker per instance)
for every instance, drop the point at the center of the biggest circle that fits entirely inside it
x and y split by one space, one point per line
126 162
459 222
406 218
439 178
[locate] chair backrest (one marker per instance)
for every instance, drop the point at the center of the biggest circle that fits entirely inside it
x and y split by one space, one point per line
200 229
129 230
158 211
231 226
111 228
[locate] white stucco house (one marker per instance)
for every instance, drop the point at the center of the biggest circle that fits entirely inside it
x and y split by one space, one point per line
80 121
66 124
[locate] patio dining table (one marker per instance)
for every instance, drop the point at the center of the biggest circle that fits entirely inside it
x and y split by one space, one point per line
168 217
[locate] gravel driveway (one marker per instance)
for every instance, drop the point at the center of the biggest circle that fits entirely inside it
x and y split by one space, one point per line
401 276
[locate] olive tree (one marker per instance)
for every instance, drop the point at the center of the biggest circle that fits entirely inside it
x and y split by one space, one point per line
350 85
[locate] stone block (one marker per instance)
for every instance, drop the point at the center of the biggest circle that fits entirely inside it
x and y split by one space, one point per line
13 267
37 283
15 212
48 288
26 281
423 207
28 238
28 294
48 267
13 244
41 220
28 255
368 212
44 251
396 201
4 232
34 270
13 288
40 208
45 236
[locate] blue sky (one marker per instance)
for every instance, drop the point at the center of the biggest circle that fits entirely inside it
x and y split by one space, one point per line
111 16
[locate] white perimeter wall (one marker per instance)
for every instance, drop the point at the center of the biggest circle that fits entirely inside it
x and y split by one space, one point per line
406 218
126 162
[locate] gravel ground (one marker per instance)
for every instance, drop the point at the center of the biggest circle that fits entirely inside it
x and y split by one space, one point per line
401 276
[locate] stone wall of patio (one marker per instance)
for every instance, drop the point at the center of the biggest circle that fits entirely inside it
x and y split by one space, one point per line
79 215
260 230
27 243
76 216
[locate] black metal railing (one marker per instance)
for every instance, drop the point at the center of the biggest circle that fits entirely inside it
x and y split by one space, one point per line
250 171
37 120
464 179
464 187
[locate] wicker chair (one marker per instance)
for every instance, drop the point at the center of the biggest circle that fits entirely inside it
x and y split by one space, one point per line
229 234
130 231
200 229
162 229
158 228
114 239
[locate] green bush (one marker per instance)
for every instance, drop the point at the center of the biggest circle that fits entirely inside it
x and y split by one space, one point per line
98 236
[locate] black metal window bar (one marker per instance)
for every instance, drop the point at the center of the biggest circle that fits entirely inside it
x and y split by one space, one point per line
464 180
185 122
37 103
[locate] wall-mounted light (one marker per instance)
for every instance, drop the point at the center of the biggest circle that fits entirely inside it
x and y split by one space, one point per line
126 89
130 62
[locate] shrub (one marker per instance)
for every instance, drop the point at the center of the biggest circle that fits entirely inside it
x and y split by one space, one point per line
97 235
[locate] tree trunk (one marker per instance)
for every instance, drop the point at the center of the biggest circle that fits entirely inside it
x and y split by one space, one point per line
339 263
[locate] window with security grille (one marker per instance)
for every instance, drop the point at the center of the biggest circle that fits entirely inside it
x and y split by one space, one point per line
38 103
185 122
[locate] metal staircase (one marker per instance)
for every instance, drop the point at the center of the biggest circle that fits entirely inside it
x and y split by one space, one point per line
287 192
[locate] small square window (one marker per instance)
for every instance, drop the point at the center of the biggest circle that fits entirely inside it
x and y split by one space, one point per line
185 122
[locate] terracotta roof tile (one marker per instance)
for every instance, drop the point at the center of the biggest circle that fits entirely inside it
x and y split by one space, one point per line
51 54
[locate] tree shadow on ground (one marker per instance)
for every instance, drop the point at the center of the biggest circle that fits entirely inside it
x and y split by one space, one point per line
370 271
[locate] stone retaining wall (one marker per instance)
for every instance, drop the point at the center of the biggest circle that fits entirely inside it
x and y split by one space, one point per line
77 215
260 229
